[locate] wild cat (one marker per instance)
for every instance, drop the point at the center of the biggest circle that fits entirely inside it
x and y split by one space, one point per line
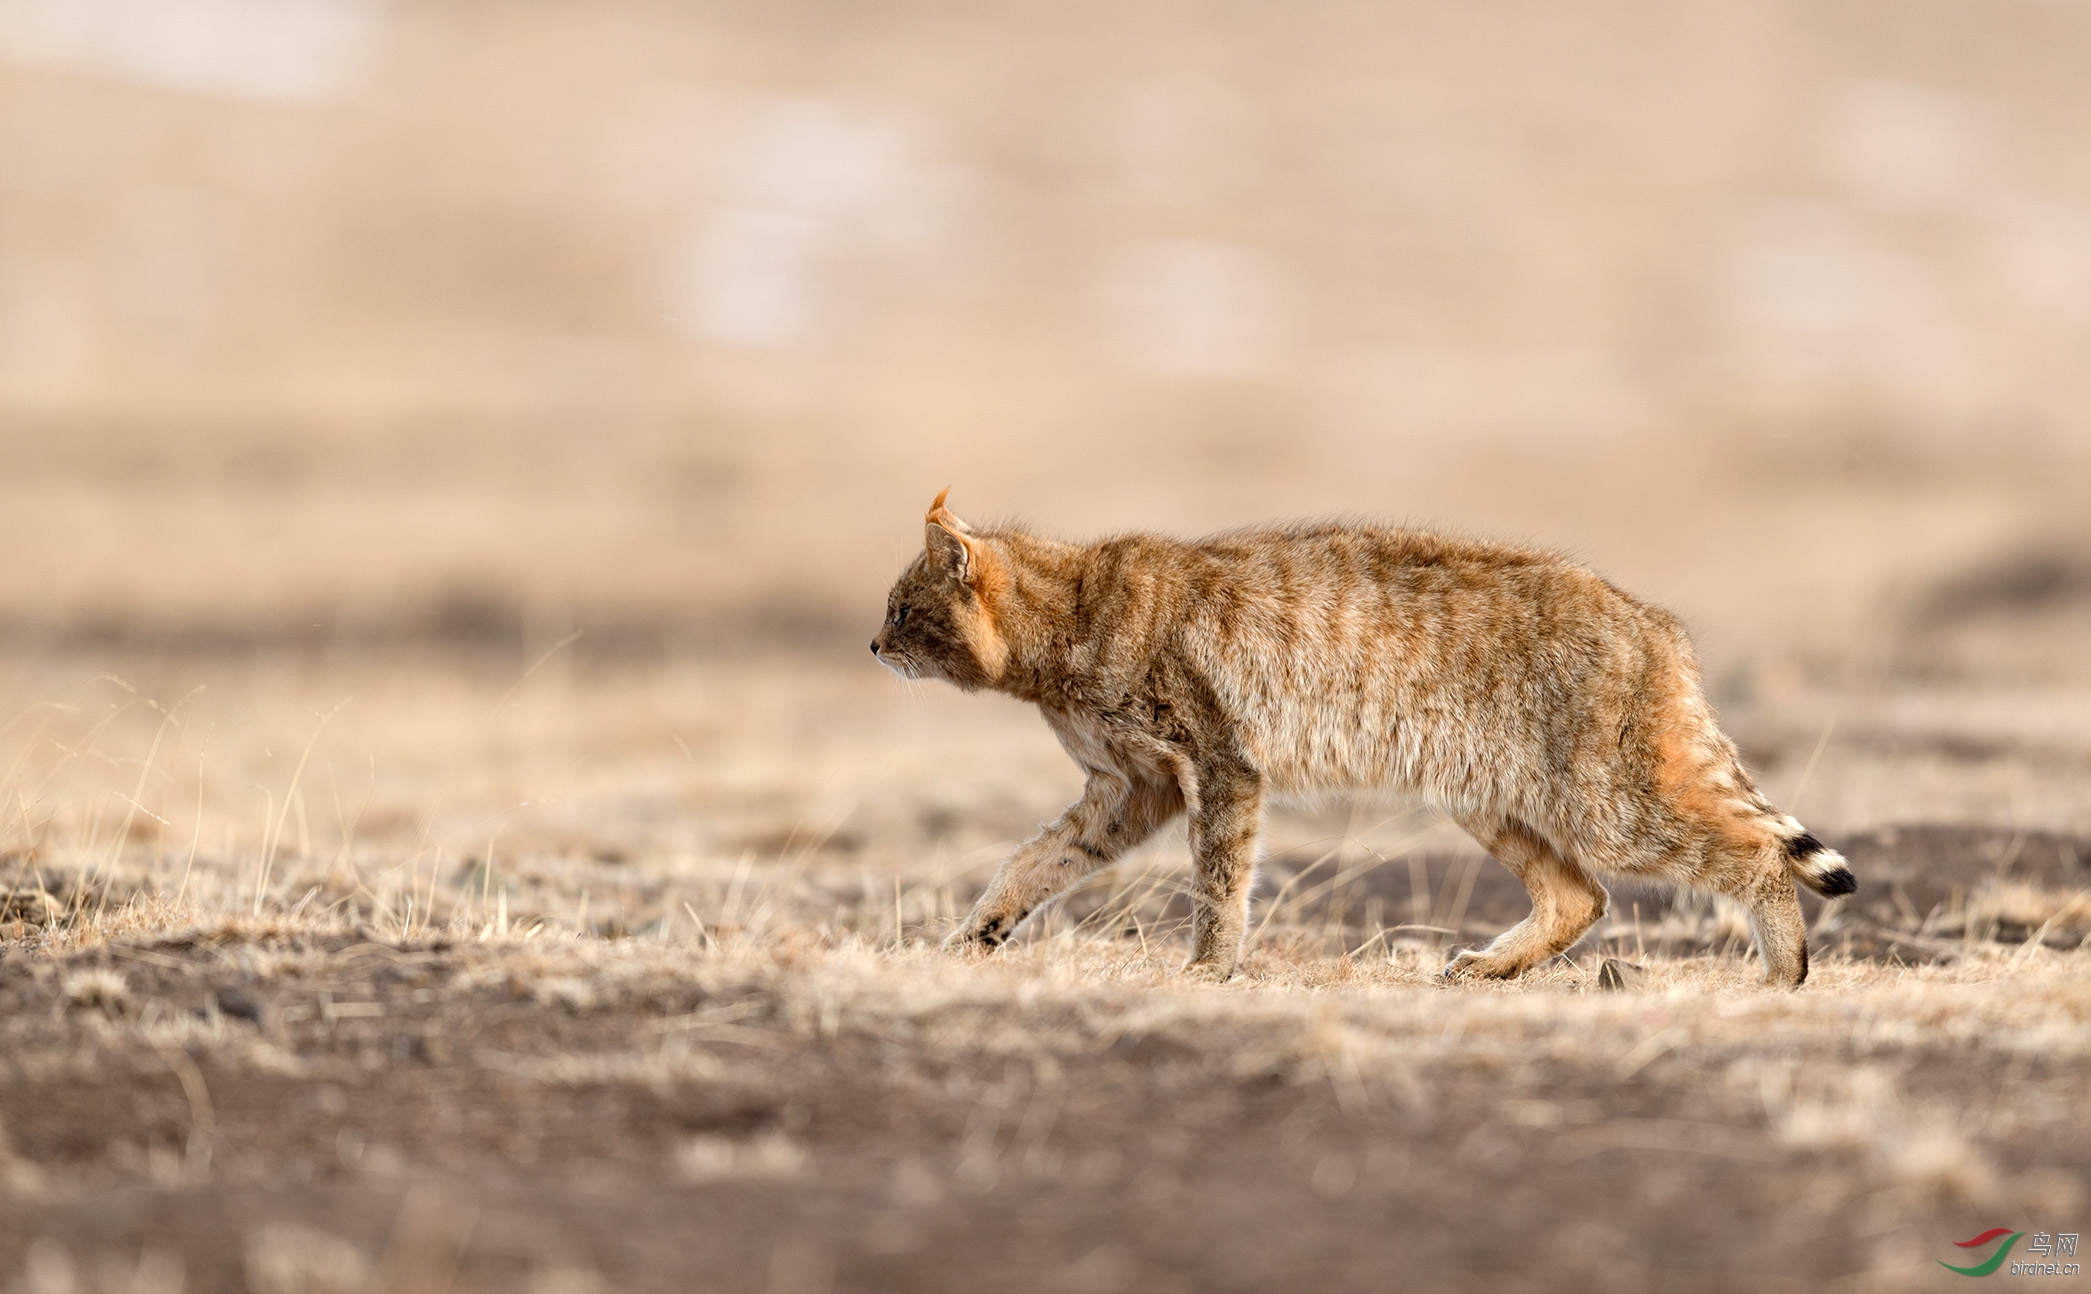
1556 718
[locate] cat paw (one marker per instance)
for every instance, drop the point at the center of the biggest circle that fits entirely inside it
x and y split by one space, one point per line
1472 965
979 935
1210 971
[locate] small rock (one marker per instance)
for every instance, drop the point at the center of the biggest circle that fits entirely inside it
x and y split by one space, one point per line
34 908
239 1006
1621 976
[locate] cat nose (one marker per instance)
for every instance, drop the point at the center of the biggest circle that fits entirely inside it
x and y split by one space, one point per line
874 646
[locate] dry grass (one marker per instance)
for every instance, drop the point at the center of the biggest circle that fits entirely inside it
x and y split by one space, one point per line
455 981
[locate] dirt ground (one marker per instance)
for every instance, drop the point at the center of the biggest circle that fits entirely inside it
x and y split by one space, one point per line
689 1028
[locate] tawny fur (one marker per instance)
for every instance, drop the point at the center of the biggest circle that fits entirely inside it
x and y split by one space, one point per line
1556 718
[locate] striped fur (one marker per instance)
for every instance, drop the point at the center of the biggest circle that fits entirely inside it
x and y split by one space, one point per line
1556 718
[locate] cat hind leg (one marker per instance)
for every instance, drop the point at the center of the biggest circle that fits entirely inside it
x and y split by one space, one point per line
1566 902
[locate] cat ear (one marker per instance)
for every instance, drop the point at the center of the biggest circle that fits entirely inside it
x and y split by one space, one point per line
939 515
949 542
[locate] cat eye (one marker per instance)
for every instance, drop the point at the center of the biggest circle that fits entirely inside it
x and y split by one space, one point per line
900 616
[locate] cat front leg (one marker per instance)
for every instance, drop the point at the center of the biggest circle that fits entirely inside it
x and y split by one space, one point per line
1116 812
1224 827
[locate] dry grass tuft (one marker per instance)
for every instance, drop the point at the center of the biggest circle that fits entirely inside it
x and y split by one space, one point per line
769 1157
2029 905
285 1259
98 989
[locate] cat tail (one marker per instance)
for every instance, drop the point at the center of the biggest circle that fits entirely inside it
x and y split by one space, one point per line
1816 865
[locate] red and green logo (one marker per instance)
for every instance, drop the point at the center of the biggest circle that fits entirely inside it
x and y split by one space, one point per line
1991 1263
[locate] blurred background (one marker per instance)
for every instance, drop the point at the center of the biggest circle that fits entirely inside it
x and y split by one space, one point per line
332 323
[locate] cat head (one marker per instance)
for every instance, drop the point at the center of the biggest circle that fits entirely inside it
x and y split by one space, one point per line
940 616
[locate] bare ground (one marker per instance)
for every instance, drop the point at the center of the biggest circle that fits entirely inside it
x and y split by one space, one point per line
689 1029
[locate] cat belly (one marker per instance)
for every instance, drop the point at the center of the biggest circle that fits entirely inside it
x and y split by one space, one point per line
1362 750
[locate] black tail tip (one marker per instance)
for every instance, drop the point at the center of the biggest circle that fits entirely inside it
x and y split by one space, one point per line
1836 884
1819 867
